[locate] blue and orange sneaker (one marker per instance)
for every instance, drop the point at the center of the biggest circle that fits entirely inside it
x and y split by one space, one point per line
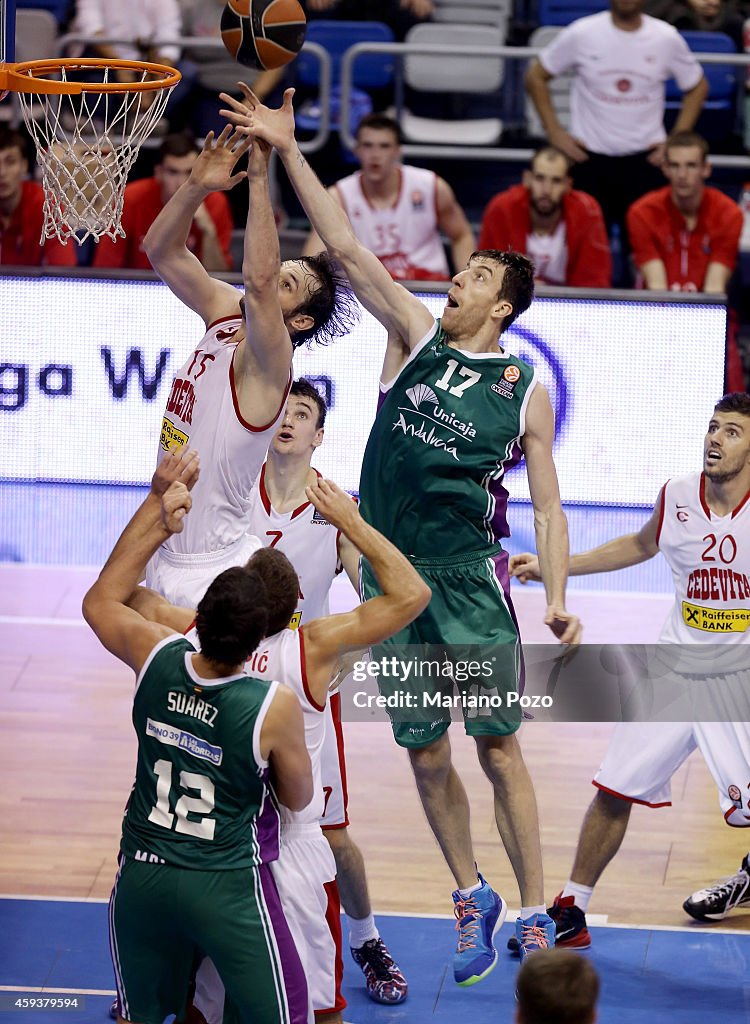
570 924
534 934
478 917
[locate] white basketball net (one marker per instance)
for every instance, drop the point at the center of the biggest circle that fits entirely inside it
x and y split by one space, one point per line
86 144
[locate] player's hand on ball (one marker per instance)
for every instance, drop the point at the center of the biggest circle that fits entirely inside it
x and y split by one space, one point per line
179 464
175 505
336 505
525 567
566 626
250 116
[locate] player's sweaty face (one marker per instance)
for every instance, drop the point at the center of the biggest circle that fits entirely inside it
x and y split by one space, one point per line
726 449
473 295
299 430
296 285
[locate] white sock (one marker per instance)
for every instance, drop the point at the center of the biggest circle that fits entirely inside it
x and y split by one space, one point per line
472 888
526 912
361 930
581 894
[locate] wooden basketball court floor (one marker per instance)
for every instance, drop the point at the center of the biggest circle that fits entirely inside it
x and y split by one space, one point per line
68 753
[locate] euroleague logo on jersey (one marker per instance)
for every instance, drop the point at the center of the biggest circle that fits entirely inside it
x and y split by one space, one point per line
507 383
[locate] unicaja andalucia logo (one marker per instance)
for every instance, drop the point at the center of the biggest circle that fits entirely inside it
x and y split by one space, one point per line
423 394
420 395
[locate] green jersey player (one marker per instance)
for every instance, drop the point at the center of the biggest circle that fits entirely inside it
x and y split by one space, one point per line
201 824
432 482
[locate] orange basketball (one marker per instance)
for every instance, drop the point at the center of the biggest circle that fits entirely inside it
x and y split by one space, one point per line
263 34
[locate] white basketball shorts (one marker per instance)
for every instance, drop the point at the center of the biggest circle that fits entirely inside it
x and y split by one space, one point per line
642 757
184 578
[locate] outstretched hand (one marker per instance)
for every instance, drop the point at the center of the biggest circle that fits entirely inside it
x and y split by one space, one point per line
178 465
213 170
336 505
175 505
252 117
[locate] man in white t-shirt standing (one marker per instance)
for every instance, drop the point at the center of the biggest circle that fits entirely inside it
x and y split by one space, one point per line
621 59
398 211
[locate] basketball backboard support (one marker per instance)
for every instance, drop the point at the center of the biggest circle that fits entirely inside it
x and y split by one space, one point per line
7 31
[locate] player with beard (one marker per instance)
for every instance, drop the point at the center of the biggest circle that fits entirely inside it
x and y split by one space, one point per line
229 396
558 227
700 524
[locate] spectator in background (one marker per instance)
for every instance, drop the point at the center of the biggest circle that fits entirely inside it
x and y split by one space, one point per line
701 15
620 59
144 23
211 232
561 229
685 236
557 986
398 211
22 212
400 15
215 71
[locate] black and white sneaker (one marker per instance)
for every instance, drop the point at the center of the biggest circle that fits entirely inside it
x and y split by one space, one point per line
715 902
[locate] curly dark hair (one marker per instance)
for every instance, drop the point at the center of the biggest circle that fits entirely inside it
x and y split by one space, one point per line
281 583
232 617
736 401
518 280
333 307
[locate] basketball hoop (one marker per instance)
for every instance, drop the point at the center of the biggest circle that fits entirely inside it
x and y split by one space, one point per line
87 134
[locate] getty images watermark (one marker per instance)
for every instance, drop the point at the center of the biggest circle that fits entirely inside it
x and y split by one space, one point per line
480 693
594 683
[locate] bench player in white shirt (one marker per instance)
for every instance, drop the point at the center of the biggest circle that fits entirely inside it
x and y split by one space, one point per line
398 211
283 518
227 399
306 660
701 524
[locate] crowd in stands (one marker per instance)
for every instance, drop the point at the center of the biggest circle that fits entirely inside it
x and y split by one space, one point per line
608 174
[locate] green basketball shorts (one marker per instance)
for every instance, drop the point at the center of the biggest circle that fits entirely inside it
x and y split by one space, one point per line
463 652
161 916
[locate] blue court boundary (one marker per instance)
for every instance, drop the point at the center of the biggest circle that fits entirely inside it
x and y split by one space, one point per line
694 975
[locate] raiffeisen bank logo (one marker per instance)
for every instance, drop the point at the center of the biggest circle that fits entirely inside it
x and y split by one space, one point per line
429 416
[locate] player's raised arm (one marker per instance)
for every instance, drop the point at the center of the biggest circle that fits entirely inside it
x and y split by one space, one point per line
263 359
404 595
152 606
389 302
550 524
166 240
121 629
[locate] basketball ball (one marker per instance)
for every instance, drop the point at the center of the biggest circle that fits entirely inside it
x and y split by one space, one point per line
263 34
